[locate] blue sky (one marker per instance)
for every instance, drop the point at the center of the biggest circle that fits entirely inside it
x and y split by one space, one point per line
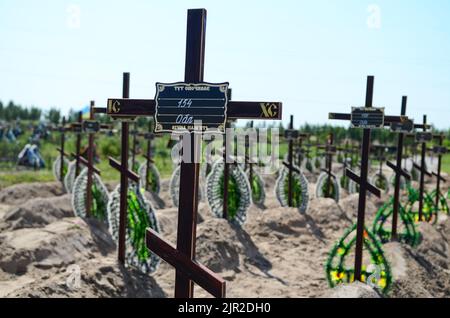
313 56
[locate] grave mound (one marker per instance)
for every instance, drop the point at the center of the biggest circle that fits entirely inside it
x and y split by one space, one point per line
58 244
99 278
20 193
38 213
354 290
415 274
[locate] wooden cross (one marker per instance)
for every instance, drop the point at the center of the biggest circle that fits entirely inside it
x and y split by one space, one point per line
90 127
134 133
62 129
367 118
291 135
183 256
300 151
248 159
125 174
306 152
346 150
78 145
422 169
226 167
399 172
330 150
149 136
439 151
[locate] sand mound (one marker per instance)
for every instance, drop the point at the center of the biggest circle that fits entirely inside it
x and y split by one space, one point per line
20 193
59 244
354 290
329 216
414 274
434 245
98 278
350 206
37 213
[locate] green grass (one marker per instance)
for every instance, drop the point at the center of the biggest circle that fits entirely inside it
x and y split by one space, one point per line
446 164
10 177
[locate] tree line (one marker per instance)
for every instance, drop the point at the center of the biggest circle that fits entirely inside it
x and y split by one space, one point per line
11 112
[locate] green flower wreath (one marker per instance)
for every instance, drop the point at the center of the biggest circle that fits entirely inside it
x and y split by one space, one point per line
257 187
429 210
442 205
338 273
409 235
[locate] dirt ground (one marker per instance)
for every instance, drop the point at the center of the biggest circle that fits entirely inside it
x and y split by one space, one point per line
277 253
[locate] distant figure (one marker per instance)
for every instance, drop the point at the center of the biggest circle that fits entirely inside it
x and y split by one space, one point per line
30 157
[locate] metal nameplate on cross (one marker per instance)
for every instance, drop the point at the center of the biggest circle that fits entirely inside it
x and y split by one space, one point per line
91 126
179 106
367 117
423 137
291 134
404 127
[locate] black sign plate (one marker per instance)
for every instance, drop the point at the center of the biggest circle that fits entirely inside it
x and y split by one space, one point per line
193 107
440 150
367 117
404 127
331 149
422 137
76 128
290 134
91 126
149 136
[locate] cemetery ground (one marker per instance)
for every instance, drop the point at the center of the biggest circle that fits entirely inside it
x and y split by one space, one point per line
278 252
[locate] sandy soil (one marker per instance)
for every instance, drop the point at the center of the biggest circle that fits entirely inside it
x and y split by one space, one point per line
277 253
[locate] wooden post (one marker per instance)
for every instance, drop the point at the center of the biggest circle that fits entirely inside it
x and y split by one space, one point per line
61 171
250 160
290 154
442 150
149 156
123 177
133 147
189 174
78 146
90 165
226 174
422 174
398 175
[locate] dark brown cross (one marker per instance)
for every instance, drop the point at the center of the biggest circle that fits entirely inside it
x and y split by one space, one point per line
78 144
248 158
399 172
62 129
364 185
87 126
346 150
226 172
226 165
330 151
300 150
183 256
149 136
134 133
291 135
125 174
423 170
439 150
